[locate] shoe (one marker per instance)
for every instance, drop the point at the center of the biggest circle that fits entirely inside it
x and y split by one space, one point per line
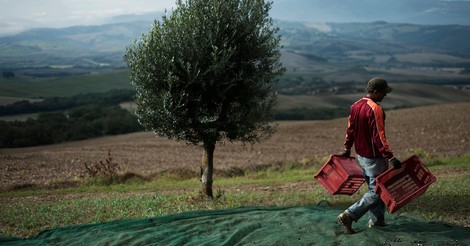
346 221
376 224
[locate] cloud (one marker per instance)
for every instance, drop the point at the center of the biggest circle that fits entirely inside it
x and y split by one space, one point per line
19 15
9 27
433 10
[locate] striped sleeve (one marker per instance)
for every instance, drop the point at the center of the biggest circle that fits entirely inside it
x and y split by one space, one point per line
378 130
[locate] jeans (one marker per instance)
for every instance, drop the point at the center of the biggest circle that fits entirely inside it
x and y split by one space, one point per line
370 202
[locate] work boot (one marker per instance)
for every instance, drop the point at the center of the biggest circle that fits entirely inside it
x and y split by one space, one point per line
346 221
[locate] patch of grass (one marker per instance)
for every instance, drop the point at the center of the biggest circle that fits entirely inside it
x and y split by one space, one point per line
65 86
460 161
27 212
445 200
29 217
427 158
269 177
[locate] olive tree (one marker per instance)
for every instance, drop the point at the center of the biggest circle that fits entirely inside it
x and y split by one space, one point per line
207 73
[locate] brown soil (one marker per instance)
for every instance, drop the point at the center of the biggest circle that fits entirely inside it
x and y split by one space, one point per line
440 130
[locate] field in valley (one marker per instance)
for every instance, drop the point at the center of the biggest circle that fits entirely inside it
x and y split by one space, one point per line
438 130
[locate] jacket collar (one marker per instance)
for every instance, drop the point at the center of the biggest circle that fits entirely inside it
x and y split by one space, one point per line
366 97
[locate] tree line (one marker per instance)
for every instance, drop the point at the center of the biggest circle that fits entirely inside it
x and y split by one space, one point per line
311 113
75 124
63 119
110 98
83 116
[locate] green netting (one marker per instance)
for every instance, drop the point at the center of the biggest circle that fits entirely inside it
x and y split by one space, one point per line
252 226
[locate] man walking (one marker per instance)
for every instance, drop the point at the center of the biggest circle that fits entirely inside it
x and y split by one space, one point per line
366 131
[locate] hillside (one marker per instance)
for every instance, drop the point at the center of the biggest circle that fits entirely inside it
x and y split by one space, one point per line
403 95
440 130
351 52
419 52
77 46
330 39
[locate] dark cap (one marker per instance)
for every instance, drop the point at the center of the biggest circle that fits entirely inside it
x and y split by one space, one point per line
378 84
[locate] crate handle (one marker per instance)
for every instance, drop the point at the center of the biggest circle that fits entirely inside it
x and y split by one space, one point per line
424 166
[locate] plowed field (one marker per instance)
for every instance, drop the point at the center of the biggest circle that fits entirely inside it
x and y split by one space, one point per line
440 130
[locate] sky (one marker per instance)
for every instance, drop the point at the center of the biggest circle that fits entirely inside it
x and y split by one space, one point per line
20 15
426 12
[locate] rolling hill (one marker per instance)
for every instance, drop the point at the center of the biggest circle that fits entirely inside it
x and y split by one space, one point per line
403 95
327 63
372 44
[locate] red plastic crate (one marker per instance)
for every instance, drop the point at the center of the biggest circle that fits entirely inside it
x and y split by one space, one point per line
341 175
399 187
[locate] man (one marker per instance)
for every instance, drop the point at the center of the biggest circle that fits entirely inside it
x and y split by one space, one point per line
366 131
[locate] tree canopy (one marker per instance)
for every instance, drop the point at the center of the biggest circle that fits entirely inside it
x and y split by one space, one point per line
208 72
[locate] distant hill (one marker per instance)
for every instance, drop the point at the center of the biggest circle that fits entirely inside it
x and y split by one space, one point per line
358 40
377 45
88 46
345 52
403 95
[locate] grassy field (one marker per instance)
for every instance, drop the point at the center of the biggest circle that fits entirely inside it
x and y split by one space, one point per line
26 87
26 212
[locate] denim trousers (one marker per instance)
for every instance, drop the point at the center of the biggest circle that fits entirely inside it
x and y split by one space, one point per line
370 202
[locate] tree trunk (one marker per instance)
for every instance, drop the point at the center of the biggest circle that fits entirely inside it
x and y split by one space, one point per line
207 168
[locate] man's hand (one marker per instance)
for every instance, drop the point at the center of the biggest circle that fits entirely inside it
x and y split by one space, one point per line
396 163
346 153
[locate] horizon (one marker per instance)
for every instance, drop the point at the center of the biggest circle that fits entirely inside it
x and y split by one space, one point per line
67 13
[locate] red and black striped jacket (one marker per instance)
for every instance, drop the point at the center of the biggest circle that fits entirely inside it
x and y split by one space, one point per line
366 130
